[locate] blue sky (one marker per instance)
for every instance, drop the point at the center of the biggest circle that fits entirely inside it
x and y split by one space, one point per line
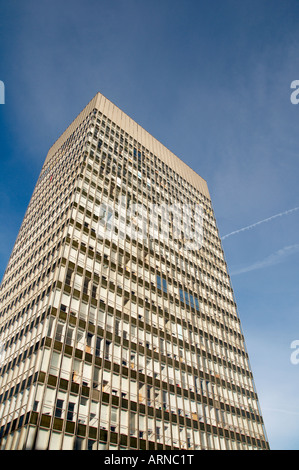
211 81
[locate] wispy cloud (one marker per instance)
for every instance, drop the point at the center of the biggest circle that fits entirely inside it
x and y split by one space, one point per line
260 222
271 260
278 410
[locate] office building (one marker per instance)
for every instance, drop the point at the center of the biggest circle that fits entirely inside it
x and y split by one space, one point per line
118 323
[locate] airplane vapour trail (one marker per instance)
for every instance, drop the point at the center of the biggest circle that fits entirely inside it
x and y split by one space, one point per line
271 260
261 222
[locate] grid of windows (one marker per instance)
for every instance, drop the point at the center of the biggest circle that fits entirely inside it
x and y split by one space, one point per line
120 342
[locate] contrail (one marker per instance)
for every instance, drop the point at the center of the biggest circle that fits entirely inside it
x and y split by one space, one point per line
281 411
260 222
271 260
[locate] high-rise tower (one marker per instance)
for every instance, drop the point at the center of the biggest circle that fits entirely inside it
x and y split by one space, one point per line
118 321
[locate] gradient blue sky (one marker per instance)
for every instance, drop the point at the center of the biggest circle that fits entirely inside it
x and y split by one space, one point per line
211 81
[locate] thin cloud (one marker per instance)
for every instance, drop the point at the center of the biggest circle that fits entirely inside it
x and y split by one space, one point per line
278 410
271 260
261 222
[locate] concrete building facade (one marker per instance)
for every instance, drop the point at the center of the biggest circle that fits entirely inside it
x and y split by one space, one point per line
118 321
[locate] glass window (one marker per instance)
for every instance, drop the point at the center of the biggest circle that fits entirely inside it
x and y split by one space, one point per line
58 409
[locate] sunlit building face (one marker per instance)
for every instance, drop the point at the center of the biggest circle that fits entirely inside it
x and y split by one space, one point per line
119 328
